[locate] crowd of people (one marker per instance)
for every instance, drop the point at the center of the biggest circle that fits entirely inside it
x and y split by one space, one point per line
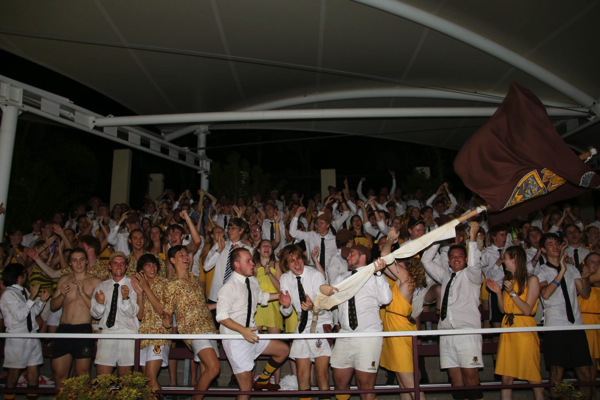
200 265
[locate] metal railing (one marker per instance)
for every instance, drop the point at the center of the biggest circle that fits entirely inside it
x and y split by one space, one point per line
295 393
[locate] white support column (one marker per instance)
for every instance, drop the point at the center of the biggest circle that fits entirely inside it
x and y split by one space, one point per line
121 177
8 130
202 132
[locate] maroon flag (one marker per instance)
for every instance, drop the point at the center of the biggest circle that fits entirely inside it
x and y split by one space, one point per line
518 160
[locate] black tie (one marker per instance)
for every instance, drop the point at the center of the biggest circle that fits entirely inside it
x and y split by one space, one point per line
225 224
29 323
352 317
304 314
563 286
444 310
576 258
322 255
249 310
112 314
272 231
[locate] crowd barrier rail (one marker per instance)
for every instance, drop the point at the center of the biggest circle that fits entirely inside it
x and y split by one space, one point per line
416 335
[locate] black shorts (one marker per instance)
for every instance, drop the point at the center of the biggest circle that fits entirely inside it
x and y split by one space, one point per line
77 348
495 314
568 349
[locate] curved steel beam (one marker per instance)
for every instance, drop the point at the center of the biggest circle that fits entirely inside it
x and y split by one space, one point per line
473 39
357 94
313 114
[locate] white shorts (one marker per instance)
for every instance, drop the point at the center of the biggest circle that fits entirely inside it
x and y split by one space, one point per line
310 348
462 351
201 344
153 353
21 353
241 353
362 354
54 318
116 352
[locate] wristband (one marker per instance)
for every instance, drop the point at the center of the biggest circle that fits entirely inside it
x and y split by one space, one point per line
586 288
535 259
556 283
514 294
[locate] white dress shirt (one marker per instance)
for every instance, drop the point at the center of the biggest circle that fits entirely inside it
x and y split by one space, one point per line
555 310
30 239
312 240
221 219
266 233
492 271
127 310
449 210
233 301
369 299
581 251
337 266
16 307
119 240
463 299
311 280
415 203
219 260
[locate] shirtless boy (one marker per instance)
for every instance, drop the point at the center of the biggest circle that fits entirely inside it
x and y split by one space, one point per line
74 295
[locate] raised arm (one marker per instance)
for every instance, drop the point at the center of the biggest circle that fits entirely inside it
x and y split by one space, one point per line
33 254
196 239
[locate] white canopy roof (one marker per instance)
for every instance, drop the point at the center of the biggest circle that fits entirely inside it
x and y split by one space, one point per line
451 57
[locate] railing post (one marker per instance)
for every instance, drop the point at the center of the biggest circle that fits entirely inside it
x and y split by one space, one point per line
136 356
415 346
